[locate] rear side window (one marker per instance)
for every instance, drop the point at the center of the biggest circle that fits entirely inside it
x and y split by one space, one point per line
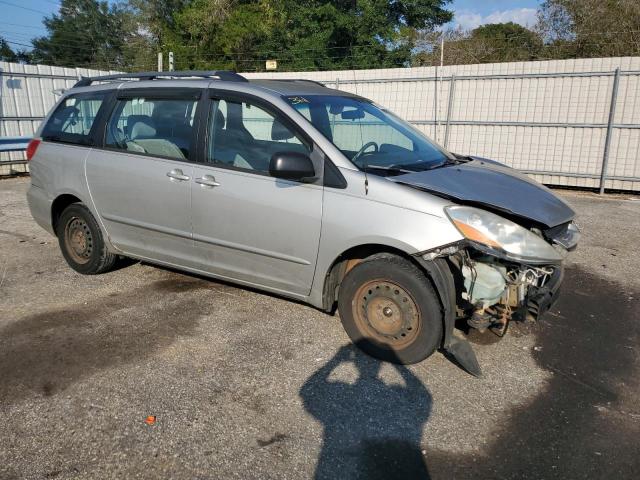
72 120
161 127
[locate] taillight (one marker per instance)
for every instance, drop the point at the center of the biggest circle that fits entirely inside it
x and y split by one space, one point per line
32 147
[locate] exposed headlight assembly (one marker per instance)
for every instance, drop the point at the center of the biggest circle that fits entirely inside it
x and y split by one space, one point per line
502 237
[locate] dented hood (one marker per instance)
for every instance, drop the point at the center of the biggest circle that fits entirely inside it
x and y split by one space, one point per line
494 186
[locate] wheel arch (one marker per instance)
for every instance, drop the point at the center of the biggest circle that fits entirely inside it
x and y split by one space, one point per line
58 206
348 259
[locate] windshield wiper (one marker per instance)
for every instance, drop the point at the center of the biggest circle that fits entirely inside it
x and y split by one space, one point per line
389 169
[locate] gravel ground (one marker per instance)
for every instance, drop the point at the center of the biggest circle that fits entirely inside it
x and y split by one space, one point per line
249 385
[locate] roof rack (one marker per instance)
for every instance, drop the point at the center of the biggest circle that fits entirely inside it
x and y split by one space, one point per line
225 75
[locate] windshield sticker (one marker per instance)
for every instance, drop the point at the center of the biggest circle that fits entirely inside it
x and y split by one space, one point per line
298 100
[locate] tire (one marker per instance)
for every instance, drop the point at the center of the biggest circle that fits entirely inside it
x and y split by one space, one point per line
81 241
390 310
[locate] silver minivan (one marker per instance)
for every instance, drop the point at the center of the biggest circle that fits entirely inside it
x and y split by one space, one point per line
303 191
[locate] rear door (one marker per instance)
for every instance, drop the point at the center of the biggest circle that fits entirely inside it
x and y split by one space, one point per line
247 225
140 179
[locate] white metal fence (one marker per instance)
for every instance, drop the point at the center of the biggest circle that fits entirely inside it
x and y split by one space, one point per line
565 122
26 95
560 121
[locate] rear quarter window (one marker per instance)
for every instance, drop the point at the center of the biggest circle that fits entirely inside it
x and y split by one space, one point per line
73 118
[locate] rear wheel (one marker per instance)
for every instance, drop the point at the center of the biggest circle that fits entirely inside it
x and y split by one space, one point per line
81 241
390 310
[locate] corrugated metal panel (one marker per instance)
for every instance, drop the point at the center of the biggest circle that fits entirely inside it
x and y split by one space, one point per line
26 96
546 116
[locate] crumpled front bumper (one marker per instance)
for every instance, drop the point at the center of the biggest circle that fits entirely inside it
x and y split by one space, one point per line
541 299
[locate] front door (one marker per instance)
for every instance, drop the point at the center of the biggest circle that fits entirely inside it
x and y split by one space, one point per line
141 180
247 225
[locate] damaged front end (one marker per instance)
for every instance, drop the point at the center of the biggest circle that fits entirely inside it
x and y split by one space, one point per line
496 291
501 272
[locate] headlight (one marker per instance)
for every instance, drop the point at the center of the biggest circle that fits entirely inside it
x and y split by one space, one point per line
500 234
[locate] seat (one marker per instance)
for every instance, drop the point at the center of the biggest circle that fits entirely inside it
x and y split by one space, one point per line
132 119
227 148
172 124
144 139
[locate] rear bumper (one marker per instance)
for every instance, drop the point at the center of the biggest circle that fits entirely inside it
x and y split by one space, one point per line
541 299
40 207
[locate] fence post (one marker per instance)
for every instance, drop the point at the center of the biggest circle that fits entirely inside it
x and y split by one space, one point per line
607 141
452 86
337 83
435 107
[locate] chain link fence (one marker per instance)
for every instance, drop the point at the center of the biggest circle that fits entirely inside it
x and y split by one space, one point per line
565 122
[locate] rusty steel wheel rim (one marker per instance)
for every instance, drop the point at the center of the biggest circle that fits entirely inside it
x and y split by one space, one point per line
386 313
78 240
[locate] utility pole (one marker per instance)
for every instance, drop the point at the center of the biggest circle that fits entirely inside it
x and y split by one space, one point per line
171 62
159 61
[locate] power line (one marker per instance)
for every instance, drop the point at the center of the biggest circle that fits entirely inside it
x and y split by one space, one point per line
23 8
20 25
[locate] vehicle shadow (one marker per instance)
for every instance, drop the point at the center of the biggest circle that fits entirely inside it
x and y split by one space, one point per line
372 429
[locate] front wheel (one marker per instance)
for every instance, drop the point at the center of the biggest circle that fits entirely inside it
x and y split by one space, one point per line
389 308
81 241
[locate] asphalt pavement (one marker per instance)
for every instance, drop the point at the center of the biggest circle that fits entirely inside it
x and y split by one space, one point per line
248 385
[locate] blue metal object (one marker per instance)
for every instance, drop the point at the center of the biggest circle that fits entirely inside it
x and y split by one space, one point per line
13 144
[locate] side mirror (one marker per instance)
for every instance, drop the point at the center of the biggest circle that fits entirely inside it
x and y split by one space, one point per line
291 166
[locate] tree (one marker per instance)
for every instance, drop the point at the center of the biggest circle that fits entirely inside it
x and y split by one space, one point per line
6 52
496 42
85 33
507 42
300 34
590 28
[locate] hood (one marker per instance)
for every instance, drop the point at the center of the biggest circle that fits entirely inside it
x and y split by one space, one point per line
495 186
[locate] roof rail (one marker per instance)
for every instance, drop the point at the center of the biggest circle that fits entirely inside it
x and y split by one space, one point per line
225 75
306 80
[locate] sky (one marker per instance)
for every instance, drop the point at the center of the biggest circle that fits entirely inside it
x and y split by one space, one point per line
472 13
21 20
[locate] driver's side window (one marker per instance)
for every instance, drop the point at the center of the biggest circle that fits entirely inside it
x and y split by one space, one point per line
244 136
352 129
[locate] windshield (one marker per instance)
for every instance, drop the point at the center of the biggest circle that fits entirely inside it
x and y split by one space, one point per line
371 137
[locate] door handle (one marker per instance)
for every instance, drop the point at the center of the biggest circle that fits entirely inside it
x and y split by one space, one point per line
207 181
177 174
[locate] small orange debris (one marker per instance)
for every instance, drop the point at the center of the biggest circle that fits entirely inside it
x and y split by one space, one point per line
150 420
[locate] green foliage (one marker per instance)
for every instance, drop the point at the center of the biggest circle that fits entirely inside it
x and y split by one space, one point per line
300 34
507 42
85 33
498 42
6 52
319 34
590 28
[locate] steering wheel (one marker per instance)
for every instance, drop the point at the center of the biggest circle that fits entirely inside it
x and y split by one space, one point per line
363 149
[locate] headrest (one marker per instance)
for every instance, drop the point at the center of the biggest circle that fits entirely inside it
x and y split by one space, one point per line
132 119
280 132
219 120
143 128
